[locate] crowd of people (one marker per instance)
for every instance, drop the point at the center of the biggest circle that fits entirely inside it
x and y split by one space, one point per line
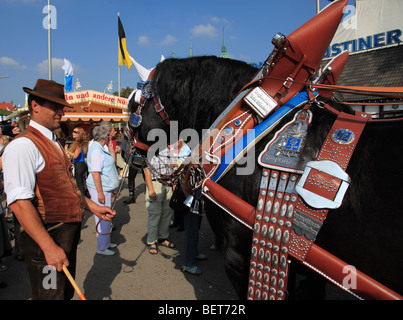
7 132
85 176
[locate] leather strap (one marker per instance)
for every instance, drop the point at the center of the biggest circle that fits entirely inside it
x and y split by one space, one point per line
217 144
160 110
271 233
139 144
389 92
320 260
338 147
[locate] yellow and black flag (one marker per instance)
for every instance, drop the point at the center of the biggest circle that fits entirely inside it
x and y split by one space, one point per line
124 57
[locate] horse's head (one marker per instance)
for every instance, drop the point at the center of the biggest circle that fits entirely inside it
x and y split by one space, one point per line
146 113
190 92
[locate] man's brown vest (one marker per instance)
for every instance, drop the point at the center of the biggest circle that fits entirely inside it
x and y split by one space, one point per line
57 197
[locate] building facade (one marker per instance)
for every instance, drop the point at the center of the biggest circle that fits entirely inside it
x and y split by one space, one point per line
372 33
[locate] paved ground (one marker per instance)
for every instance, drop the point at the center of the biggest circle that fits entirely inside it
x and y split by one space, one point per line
133 273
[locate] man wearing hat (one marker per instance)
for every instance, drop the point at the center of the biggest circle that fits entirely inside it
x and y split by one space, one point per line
44 196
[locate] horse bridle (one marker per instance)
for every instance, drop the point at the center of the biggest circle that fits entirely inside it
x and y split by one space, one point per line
145 92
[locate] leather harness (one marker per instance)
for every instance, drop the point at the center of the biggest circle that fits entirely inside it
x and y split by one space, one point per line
147 93
283 223
285 220
293 202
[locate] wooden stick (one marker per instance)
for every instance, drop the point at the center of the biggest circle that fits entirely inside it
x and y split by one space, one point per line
73 283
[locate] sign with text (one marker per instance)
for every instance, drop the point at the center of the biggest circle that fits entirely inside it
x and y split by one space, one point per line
92 101
371 24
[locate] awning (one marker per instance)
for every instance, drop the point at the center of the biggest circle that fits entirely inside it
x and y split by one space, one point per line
90 105
76 116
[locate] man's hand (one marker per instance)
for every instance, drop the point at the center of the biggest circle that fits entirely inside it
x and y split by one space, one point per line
32 224
56 257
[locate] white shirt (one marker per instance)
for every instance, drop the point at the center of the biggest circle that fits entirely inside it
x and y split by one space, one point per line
21 162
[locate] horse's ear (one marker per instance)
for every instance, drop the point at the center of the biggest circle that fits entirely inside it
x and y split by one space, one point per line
143 72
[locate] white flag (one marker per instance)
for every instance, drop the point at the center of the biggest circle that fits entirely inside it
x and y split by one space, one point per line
67 67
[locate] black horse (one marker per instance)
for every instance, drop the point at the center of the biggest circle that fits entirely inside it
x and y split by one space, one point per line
365 231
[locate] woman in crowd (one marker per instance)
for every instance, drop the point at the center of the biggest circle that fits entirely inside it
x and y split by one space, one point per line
102 181
77 151
5 244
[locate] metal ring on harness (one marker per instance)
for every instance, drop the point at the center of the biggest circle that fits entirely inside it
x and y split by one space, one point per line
147 90
135 120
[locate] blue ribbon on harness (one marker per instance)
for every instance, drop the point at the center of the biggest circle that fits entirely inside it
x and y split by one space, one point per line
258 132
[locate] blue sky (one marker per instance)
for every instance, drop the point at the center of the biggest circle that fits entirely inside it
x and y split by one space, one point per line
86 34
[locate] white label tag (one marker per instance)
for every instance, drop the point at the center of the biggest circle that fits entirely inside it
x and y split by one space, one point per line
260 102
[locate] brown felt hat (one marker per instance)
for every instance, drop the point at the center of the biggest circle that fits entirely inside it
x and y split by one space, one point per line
49 90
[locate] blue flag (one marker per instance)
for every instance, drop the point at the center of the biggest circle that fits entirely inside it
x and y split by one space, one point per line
68 75
69 83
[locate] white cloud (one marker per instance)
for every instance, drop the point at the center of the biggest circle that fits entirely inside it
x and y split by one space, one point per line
218 20
143 40
10 62
56 66
202 30
168 40
215 19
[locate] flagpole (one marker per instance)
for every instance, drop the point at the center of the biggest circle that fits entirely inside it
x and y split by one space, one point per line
119 80
118 65
49 46
317 6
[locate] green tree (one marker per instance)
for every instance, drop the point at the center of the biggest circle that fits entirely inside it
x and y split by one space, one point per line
124 93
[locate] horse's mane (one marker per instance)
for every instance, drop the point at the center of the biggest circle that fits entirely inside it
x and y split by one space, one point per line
194 90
